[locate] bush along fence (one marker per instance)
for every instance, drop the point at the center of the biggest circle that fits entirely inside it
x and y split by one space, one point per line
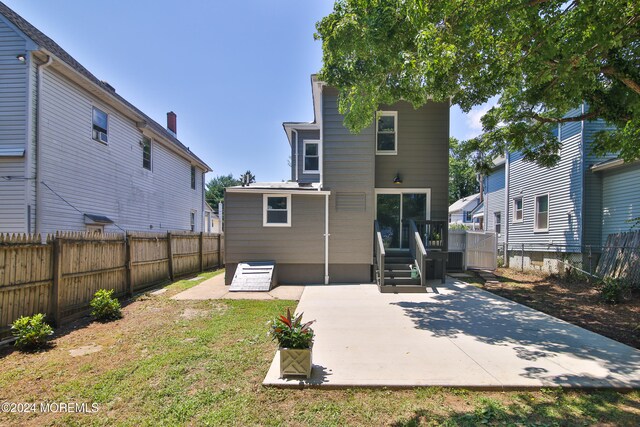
59 274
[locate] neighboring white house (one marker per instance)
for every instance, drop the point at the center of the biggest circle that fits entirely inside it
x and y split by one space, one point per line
75 155
460 212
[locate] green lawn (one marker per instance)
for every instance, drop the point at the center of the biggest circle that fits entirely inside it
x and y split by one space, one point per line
202 363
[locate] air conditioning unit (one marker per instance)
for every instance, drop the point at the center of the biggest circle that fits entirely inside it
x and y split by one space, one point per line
100 136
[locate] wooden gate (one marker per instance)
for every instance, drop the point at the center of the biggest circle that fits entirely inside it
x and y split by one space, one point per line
481 250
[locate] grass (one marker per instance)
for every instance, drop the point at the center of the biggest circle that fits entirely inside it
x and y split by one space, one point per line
172 363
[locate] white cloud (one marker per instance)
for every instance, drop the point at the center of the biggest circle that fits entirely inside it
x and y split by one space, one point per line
472 119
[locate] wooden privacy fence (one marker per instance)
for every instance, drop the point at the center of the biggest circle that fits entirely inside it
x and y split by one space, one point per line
59 275
620 257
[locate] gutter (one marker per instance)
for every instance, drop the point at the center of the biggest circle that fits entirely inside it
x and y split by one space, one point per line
41 67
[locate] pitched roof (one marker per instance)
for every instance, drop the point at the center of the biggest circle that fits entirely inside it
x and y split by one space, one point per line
43 41
462 203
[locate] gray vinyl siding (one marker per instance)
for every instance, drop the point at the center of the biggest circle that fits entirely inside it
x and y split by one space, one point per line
13 129
593 186
422 159
107 179
246 239
563 183
303 177
494 200
349 165
620 199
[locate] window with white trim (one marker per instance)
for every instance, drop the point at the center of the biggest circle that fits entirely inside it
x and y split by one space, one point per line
276 210
387 132
311 162
100 121
497 224
146 153
193 177
193 220
541 213
518 212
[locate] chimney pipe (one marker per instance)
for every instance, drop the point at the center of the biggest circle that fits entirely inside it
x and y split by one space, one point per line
172 122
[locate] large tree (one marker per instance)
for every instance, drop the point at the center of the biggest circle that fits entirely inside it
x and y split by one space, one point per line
541 57
215 188
463 180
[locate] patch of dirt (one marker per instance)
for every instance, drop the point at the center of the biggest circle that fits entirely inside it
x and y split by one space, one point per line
84 350
192 313
576 302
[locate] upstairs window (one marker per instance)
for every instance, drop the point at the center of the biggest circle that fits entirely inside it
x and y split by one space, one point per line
193 177
517 210
542 213
100 125
467 216
311 157
497 225
386 132
146 153
276 210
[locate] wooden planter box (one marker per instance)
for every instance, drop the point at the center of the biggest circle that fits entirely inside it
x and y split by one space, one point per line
295 362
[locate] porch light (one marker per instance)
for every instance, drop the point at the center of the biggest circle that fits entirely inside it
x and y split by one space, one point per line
397 179
21 57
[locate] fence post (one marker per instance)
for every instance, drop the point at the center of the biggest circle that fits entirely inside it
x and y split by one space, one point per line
590 265
219 250
128 265
57 278
522 258
201 251
170 255
505 254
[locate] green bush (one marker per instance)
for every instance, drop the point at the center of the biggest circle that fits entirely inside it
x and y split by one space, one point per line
31 332
104 306
611 290
291 332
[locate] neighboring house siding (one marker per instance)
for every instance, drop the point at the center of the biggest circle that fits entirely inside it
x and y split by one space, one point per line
107 179
563 183
494 201
620 199
246 239
422 159
349 164
299 163
13 130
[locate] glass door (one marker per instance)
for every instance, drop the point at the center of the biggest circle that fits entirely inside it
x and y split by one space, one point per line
393 208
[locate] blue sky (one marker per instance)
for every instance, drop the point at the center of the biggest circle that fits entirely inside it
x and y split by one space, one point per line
232 71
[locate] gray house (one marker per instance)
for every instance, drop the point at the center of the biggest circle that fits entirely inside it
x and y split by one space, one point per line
320 227
75 155
551 216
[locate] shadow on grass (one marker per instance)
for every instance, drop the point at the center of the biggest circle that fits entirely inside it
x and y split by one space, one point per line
554 408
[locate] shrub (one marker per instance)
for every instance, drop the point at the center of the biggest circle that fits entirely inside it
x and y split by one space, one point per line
31 332
291 332
458 227
104 306
611 290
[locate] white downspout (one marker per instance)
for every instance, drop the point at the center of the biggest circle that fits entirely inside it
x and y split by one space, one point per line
295 160
39 143
326 197
506 211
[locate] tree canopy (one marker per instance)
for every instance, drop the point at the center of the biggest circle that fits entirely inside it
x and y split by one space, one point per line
541 57
215 188
463 181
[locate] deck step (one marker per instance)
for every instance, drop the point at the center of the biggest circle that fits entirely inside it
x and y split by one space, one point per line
402 289
255 276
398 260
397 273
402 281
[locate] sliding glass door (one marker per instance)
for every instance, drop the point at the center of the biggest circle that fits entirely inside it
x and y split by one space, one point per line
393 208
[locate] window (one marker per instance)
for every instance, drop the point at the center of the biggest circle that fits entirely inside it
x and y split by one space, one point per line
517 209
467 216
193 177
193 220
146 152
498 222
276 210
542 213
386 132
311 157
100 125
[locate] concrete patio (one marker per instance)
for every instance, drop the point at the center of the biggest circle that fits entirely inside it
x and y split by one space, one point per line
460 337
214 288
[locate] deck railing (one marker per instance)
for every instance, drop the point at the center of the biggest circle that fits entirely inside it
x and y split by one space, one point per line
378 254
434 234
418 251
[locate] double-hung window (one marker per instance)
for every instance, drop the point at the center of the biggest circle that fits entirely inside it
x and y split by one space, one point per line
193 177
100 121
276 210
542 213
497 225
517 209
311 157
146 153
387 132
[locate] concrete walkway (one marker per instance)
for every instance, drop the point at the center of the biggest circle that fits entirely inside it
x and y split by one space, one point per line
461 337
215 288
